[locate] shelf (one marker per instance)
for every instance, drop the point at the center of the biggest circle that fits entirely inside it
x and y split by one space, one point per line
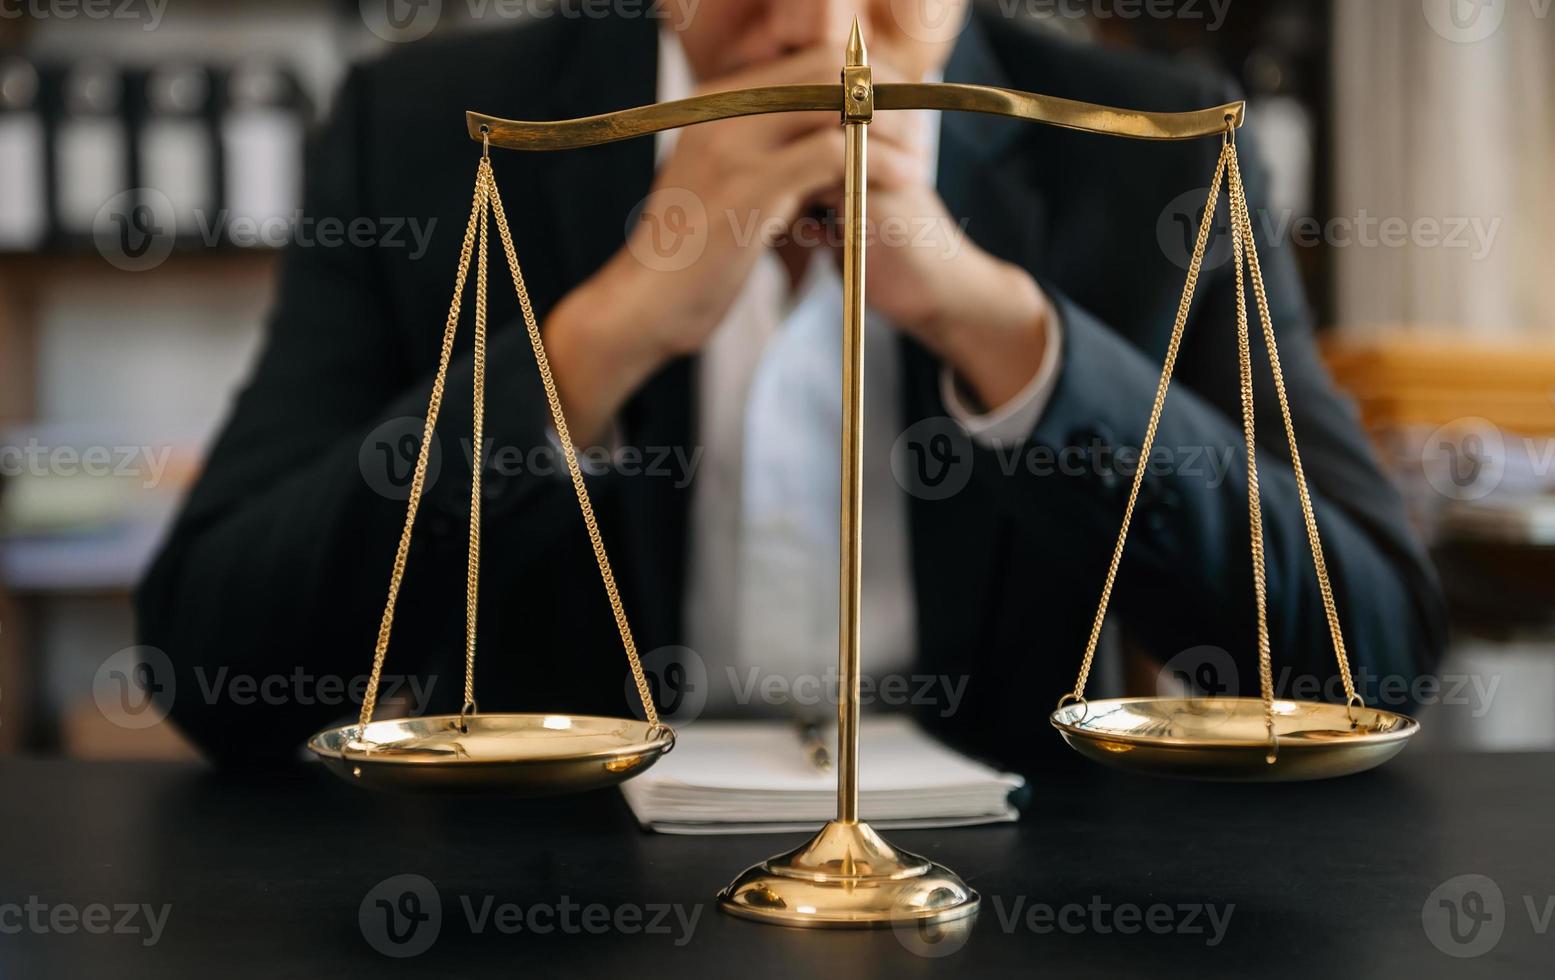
28 269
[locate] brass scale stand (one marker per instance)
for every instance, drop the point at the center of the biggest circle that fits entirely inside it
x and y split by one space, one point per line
847 875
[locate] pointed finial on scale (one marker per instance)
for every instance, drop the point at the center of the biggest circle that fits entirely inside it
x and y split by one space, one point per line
857 54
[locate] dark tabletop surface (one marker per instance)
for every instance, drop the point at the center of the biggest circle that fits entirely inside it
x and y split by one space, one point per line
1431 866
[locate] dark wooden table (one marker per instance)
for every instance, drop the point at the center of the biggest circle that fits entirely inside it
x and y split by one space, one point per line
1109 875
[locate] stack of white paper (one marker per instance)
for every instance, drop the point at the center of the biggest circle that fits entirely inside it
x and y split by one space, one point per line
755 777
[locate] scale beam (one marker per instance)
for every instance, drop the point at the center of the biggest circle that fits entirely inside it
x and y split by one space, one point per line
625 124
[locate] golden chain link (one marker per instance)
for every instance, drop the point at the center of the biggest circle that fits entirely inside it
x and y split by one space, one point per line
1249 435
564 436
1243 219
1172 346
477 466
419 477
487 195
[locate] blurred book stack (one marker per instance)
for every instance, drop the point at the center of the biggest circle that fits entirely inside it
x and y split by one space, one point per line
82 508
1468 430
150 172
1413 379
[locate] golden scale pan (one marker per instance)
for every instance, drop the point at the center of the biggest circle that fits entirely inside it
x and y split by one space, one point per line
847 875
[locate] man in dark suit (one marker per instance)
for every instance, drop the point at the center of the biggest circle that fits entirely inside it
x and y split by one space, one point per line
1031 349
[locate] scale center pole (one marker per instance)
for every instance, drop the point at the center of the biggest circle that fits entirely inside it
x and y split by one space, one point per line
858 110
847 875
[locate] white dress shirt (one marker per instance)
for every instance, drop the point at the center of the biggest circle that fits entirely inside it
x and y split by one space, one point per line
769 477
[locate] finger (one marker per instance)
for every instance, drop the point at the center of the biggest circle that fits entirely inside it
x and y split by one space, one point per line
889 169
817 66
761 133
812 66
893 168
904 130
801 171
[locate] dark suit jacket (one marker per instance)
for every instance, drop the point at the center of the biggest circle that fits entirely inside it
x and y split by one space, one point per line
281 557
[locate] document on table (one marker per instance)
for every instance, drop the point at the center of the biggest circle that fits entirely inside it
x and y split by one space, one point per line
755 778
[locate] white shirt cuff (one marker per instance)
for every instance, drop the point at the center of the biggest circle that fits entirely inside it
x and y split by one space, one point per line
593 460
1015 419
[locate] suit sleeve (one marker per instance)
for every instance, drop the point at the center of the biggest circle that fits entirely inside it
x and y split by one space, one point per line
279 564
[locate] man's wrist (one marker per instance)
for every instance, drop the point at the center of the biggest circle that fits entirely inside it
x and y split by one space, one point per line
996 336
1013 421
600 354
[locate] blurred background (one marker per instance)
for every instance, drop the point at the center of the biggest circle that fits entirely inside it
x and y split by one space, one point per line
150 168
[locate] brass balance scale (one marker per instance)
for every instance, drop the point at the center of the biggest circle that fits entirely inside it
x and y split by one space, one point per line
847 875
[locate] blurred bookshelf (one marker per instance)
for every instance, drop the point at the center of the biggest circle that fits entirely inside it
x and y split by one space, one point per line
112 123
115 375
115 382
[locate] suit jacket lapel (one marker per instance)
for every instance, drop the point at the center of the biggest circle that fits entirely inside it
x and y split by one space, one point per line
957 546
595 193
594 190
982 178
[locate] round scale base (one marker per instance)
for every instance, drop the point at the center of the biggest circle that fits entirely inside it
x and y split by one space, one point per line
848 877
